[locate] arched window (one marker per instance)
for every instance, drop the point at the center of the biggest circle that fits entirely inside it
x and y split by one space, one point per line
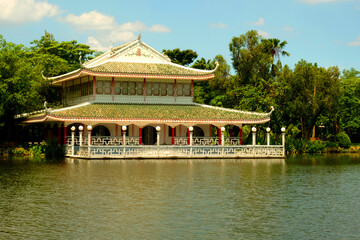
100 131
198 132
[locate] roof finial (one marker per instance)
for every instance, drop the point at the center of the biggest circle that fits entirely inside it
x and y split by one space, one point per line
139 37
111 48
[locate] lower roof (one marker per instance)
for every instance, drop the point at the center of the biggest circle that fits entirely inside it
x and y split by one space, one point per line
150 113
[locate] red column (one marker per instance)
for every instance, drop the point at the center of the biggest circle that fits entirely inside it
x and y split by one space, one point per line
140 136
188 135
172 135
241 136
210 131
65 134
59 134
219 135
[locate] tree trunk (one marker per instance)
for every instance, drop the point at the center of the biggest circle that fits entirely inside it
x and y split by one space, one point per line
313 133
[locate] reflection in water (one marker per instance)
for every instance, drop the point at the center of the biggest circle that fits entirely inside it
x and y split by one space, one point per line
300 198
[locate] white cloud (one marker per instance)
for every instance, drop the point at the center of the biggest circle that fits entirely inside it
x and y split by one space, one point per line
96 21
106 29
91 21
118 36
355 43
259 22
95 44
218 25
22 11
158 28
320 1
289 29
264 34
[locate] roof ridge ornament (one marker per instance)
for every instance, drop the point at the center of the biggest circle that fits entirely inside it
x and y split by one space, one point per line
216 66
42 74
112 51
46 109
81 65
139 37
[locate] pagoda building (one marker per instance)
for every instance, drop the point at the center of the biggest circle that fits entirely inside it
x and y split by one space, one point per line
135 91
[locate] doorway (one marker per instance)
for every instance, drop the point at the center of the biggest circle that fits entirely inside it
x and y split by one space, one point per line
149 135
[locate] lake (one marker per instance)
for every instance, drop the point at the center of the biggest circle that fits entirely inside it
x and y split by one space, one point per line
302 197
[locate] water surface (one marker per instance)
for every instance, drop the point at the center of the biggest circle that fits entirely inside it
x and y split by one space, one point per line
305 197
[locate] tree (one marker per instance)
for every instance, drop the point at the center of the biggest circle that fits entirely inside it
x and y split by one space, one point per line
58 58
254 58
182 57
349 110
275 48
213 91
19 83
309 92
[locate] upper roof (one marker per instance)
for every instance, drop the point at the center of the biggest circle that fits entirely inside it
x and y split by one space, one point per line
135 59
150 113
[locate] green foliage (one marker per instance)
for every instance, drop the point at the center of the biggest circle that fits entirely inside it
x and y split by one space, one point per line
22 87
343 140
349 112
57 58
306 93
182 57
53 150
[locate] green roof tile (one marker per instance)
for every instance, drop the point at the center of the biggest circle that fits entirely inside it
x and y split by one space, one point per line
158 112
147 68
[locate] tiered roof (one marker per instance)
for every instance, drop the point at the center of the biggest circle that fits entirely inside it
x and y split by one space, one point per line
137 113
135 59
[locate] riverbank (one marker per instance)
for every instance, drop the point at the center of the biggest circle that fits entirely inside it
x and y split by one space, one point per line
44 150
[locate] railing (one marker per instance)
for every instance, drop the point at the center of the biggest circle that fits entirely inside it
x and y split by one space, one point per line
204 141
147 151
201 147
181 141
103 141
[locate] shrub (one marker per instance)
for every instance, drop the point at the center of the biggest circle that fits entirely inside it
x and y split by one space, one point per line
315 146
53 150
343 140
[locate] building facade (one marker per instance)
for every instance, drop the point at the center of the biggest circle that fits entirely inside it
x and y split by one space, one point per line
132 100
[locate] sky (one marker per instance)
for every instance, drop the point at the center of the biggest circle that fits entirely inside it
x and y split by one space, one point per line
326 32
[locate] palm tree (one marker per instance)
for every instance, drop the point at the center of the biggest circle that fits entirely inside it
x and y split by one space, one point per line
275 48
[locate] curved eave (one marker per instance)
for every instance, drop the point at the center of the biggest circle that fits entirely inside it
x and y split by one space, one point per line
50 117
85 72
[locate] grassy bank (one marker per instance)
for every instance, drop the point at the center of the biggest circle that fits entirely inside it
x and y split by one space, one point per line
49 150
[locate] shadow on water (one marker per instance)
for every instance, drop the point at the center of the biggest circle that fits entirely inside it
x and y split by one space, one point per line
323 159
302 197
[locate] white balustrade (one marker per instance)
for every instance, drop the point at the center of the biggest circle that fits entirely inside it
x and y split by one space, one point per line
204 141
181 140
151 151
112 147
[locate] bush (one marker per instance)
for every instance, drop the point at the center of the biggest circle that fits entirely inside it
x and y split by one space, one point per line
53 150
343 140
315 146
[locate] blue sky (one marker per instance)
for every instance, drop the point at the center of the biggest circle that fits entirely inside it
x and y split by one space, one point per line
323 31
